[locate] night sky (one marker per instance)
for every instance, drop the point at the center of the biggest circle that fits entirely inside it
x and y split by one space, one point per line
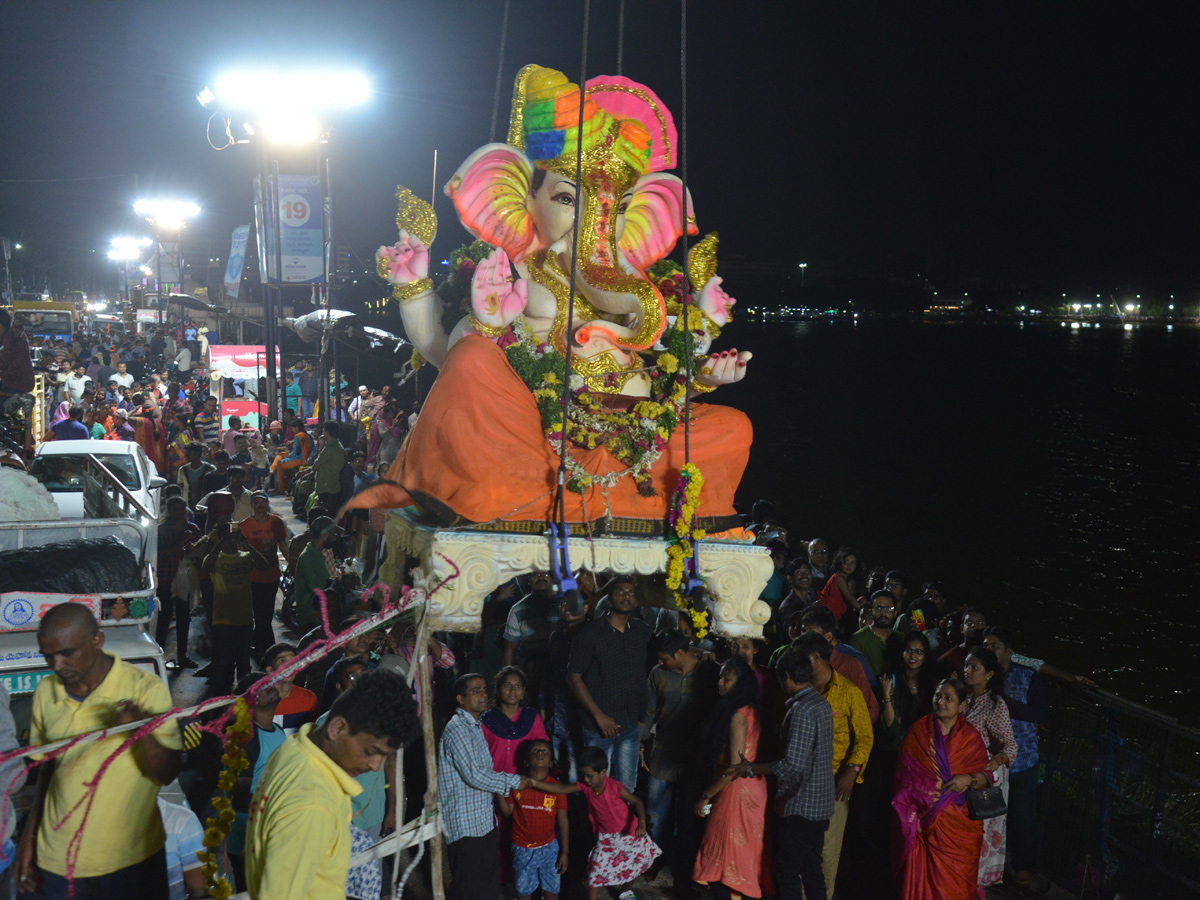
1018 142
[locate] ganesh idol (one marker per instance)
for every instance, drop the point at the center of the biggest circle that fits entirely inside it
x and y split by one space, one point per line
486 445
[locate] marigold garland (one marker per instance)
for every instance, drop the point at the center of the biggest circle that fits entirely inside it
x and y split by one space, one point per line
682 538
216 830
635 437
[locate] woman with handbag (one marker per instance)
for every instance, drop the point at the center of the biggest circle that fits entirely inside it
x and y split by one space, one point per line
942 758
986 710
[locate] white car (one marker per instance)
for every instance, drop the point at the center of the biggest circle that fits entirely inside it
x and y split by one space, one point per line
58 466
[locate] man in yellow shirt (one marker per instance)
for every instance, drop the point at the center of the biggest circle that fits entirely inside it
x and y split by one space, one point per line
298 834
853 738
121 849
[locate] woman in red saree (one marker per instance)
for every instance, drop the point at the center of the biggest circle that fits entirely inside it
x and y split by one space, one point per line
942 758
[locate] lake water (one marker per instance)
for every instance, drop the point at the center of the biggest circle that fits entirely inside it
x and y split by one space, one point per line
1047 474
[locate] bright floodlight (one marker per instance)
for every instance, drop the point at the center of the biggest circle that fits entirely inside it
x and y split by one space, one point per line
168 214
294 127
206 97
266 91
124 248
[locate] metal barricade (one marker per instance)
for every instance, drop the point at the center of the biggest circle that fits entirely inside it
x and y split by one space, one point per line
1120 798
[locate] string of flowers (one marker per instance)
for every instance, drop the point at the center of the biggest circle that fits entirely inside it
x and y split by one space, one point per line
217 827
682 539
636 437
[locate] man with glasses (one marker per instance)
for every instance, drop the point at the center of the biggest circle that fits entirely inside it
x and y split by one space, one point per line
877 641
896 584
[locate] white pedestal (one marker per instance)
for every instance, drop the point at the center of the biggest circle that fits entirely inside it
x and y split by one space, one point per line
735 573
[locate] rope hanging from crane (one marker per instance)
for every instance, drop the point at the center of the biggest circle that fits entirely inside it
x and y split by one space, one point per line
559 529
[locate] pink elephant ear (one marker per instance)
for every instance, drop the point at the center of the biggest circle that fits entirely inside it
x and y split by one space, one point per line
489 191
653 221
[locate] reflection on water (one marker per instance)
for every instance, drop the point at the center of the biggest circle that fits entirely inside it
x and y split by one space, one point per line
1046 473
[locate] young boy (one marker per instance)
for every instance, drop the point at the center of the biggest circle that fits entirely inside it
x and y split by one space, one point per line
538 858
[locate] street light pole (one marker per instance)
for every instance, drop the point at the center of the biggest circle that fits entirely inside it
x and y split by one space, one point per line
166 215
7 274
285 104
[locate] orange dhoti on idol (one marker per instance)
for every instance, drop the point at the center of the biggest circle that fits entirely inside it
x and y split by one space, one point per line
478 456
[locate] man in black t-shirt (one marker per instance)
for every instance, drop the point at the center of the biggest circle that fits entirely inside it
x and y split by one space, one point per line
607 675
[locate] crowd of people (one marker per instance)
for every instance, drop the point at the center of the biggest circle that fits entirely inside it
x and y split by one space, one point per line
878 741
153 388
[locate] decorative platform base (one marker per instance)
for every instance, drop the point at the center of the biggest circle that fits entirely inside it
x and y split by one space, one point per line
736 573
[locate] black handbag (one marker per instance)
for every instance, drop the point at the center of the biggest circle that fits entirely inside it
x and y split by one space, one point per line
986 803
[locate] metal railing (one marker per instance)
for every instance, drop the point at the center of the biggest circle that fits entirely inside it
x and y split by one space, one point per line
1120 798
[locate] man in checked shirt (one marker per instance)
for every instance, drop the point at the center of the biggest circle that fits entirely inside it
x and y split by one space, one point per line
804 793
467 781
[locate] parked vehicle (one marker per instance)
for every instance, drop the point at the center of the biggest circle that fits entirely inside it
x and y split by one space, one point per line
47 318
123 615
59 466
108 324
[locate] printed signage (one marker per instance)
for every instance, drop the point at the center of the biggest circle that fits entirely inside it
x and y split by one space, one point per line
22 682
298 217
22 611
237 261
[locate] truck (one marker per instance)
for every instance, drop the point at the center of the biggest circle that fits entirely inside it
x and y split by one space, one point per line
49 319
124 616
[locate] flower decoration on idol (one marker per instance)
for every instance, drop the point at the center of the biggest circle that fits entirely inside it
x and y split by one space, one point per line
237 735
682 539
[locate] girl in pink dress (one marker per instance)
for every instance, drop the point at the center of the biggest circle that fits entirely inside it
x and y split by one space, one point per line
733 858
623 850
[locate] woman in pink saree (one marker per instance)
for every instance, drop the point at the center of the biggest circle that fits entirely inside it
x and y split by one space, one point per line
942 758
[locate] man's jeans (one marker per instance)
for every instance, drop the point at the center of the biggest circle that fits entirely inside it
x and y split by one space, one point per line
308 404
262 598
146 880
660 804
230 651
622 752
562 742
797 870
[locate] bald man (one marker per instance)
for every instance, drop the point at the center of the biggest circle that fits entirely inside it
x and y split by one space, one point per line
121 851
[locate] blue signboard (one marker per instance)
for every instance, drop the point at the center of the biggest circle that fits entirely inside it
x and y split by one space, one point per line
301 232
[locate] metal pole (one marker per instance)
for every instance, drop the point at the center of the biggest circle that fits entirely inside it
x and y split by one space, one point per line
420 652
324 295
158 275
7 274
273 406
275 213
331 279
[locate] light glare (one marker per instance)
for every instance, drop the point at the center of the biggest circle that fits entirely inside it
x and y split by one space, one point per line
294 127
167 213
269 91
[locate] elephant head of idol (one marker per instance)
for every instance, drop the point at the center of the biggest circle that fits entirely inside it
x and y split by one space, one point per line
521 196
